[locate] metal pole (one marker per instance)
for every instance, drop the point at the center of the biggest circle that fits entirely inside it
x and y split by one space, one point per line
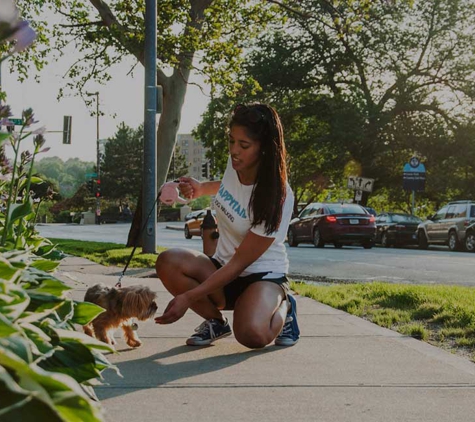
150 136
98 198
413 201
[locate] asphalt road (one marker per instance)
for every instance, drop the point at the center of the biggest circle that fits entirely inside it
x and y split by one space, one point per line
434 266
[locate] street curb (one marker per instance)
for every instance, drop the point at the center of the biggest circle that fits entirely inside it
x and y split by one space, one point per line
175 228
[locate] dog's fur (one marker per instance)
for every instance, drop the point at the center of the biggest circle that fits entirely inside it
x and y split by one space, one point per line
121 306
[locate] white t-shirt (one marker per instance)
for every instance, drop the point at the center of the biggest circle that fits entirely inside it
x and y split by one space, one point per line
232 212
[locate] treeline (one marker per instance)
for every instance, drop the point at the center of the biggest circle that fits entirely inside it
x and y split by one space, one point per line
360 91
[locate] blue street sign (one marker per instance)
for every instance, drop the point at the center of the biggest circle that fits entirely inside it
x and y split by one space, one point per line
414 175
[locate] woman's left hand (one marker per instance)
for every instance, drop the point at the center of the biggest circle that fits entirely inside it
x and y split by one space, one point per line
174 310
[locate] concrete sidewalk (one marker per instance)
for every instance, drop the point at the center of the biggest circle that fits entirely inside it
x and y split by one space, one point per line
342 369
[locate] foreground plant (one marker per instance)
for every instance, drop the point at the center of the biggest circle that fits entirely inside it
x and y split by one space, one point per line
46 366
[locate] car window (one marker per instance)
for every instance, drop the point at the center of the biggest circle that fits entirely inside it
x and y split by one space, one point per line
451 212
381 219
345 209
306 211
461 211
472 211
441 213
397 218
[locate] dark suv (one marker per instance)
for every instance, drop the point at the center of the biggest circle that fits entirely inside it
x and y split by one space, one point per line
447 226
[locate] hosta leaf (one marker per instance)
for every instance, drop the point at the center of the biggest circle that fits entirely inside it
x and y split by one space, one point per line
85 312
20 211
51 286
74 408
7 328
7 270
67 335
39 338
13 301
73 359
19 352
45 264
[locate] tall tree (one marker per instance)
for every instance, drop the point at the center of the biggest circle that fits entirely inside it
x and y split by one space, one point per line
121 167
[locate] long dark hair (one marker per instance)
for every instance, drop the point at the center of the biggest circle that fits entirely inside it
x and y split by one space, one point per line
262 124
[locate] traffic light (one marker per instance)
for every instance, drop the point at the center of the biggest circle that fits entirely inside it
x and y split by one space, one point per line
67 122
98 188
205 170
90 185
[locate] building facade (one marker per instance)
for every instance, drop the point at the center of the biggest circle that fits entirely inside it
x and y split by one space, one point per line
195 154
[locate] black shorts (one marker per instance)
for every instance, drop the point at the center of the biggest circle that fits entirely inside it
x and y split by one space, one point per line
235 288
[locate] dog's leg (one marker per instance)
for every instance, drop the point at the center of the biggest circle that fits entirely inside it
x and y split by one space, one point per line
88 330
110 335
101 334
131 337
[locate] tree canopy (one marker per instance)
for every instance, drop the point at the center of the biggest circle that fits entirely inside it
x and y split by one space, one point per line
361 89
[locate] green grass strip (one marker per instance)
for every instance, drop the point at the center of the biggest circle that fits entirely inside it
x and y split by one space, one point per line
106 253
439 314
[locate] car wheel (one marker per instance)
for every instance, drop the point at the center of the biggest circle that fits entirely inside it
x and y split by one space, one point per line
368 245
421 236
317 239
291 239
454 244
338 245
470 242
187 233
384 240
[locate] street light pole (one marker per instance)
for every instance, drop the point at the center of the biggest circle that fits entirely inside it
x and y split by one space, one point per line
149 193
98 158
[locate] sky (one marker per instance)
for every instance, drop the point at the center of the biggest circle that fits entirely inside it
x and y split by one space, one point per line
121 100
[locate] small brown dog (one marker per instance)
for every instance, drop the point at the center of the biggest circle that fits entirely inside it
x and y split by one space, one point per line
121 306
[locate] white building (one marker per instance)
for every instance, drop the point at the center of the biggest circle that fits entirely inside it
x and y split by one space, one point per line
195 154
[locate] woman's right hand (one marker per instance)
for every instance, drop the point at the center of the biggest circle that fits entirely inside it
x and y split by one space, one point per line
189 187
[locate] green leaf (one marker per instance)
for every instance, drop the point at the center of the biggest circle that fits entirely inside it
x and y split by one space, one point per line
74 408
85 312
7 328
7 270
20 211
73 359
3 137
67 335
35 180
51 286
13 301
39 338
45 264
19 352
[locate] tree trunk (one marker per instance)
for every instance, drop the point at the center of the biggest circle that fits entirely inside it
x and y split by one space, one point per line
174 91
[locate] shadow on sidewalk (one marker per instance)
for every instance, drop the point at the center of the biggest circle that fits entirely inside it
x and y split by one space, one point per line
152 371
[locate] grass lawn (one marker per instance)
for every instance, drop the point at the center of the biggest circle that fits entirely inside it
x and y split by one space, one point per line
440 315
106 253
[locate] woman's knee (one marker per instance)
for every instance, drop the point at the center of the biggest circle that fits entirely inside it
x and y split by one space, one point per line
253 336
166 261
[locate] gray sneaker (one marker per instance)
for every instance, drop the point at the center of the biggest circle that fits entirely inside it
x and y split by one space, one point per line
209 331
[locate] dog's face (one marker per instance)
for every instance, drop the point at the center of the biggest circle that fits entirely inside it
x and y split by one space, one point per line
138 302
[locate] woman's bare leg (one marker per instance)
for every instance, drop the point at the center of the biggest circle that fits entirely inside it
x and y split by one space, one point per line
183 269
259 314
